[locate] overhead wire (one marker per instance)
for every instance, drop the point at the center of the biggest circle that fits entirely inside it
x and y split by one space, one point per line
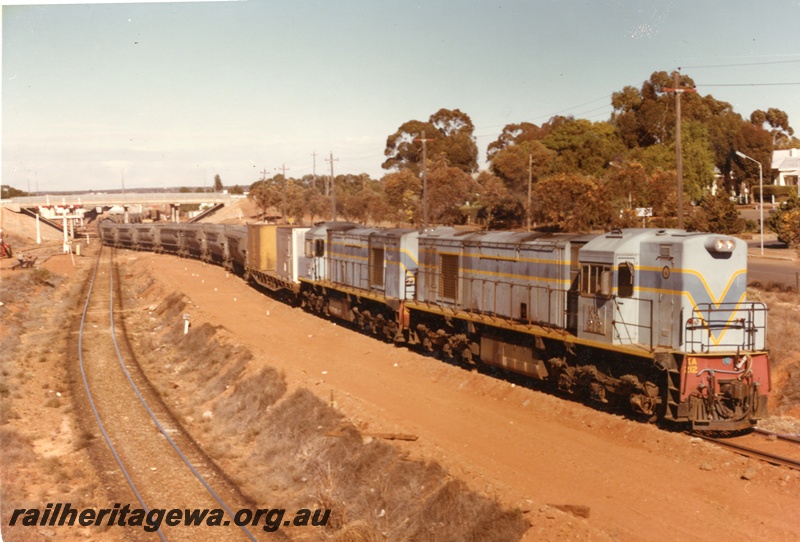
739 65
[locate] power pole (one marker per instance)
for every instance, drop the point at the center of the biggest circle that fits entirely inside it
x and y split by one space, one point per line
678 159
314 170
424 179
333 186
283 195
530 175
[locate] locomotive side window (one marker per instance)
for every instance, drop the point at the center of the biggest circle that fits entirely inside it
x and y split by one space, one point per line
594 278
319 248
309 252
625 280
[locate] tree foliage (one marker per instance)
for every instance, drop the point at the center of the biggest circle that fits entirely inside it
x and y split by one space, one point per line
583 174
404 193
716 214
583 146
514 163
11 192
450 136
515 134
785 221
266 195
776 120
571 202
449 188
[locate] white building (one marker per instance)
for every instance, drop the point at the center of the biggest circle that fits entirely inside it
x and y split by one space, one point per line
786 167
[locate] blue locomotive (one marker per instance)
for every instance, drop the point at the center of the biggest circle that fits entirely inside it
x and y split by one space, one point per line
657 320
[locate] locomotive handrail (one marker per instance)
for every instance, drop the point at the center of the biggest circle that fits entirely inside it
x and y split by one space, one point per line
750 318
433 285
648 327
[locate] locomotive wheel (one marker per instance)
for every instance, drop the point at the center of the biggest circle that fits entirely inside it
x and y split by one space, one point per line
366 321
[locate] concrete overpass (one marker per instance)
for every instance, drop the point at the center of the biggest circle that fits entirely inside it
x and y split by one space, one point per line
66 212
111 199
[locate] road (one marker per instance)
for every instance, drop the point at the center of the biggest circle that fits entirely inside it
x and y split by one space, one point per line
765 270
778 264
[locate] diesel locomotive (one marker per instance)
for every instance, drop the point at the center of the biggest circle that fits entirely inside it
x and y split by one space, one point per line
654 320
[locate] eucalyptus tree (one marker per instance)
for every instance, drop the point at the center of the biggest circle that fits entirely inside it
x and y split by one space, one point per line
448 133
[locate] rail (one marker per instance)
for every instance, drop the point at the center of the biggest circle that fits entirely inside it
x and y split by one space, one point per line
141 398
100 424
754 453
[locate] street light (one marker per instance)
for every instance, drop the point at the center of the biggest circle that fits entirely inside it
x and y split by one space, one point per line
760 195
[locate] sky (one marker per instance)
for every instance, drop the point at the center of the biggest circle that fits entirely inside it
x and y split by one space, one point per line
154 95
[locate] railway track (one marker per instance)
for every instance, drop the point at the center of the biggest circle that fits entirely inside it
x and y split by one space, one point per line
773 448
161 466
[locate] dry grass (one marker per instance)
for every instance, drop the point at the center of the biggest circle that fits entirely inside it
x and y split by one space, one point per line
171 306
15 449
277 448
250 400
783 338
368 485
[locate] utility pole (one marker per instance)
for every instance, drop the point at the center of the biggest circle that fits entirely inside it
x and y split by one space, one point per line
678 159
314 170
424 179
283 195
530 178
333 187
264 174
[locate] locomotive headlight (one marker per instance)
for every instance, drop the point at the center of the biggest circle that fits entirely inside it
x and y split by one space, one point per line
721 244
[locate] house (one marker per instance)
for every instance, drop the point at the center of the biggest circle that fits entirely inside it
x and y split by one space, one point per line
786 167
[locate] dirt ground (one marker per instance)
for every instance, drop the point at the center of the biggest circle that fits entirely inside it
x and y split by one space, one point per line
532 451
529 449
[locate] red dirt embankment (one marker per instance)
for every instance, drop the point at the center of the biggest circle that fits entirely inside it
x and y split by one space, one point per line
529 449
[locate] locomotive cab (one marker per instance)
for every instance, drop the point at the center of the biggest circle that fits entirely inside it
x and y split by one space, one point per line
665 293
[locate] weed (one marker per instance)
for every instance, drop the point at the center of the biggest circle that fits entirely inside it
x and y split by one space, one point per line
42 276
83 439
